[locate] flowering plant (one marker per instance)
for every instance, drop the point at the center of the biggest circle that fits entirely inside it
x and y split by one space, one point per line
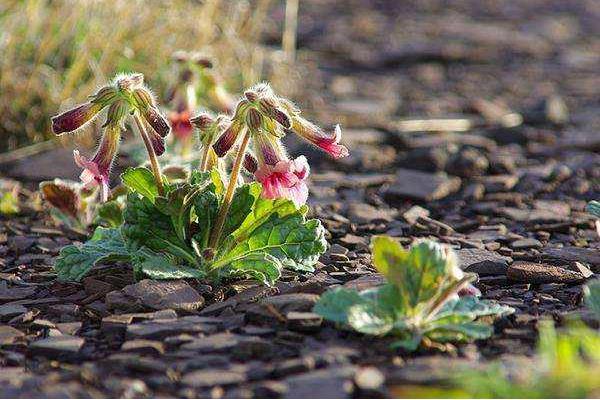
423 301
207 226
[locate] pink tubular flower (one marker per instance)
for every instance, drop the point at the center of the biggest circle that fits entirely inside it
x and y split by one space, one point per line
97 170
285 179
316 136
180 124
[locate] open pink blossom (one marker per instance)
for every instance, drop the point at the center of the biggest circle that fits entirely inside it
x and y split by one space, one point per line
285 179
97 170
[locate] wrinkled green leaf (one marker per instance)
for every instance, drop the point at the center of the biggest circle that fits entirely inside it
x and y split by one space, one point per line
460 332
263 209
593 207
140 180
260 266
244 198
369 318
75 261
472 307
145 226
162 267
109 214
9 203
592 296
335 303
292 240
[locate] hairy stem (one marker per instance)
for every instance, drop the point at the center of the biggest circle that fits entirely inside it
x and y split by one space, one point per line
235 172
151 154
204 162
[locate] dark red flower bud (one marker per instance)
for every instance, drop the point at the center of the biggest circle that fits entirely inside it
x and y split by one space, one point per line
250 163
202 121
75 118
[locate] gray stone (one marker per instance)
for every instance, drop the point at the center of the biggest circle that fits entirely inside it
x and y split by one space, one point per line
414 213
527 243
303 321
11 310
213 343
363 213
159 295
331 383
421 186
9 335
57 346
571 253
292 302
369 378
542 273
159 329
482 262
207 378
144 347
15 293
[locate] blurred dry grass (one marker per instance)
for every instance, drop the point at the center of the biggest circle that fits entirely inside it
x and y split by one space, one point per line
56 52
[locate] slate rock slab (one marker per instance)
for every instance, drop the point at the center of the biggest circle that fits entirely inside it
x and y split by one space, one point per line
571 253
529 272
422 186
9 335
482 262
57 346
331 383
158 295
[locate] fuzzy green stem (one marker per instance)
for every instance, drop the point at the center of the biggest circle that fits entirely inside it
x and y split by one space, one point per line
151 154
235 172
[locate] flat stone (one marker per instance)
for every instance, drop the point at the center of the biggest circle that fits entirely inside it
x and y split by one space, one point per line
159 329
482 262
530 216
56 346
499 183
303 321
206 378
571 253
527 243
366 282
15 293
529 272
159 295
8 335
120 321
331 383
213 343
19 244
369 378
292 302
363 213
144 347
11 310
421 186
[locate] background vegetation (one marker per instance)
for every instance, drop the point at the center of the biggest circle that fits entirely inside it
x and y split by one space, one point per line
54 52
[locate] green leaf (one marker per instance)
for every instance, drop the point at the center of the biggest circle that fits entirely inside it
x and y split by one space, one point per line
410 342
261 211
420 274
75 261
162 267
370 319
244 198
260 266
140 180
206 208
146 226
460 332
295 242
9 203
593 207
471 307
592 296
177 204
334 304
109 214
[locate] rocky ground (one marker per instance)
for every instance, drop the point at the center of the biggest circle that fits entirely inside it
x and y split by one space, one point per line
474 124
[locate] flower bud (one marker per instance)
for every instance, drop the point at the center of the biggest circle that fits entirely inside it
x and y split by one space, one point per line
75 118
147 108
129 82
250 163
251 95
62 196
268 107
202 121
117 113
253 119
227 139
104 96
